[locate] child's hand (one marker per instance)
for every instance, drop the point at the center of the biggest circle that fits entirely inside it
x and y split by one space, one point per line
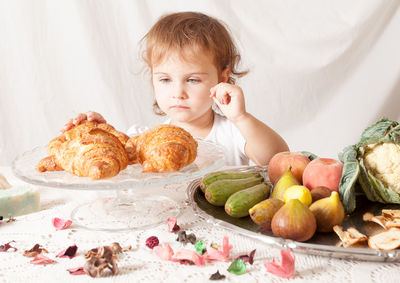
230 100
90 116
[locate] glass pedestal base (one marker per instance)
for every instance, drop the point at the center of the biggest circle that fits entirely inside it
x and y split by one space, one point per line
124 213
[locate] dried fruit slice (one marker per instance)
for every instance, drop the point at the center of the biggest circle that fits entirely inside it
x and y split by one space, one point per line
387 240
391 213
380 220
390 218
350 237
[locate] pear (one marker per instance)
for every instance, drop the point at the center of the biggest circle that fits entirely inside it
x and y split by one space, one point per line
285 181
328 212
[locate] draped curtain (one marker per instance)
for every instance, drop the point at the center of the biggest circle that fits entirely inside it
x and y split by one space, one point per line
320 70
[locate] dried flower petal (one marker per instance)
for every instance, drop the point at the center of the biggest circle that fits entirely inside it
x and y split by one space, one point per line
164 251
61 224
172 225
182 237
283 269
76 271
152 242
200 247
248 258
7 246
41 259
11 219
104 258
187 255
69 252
217 276
191 238
215 246
220 254
37 249
237 267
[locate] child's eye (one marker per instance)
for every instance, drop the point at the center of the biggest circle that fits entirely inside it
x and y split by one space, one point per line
193 80
165 80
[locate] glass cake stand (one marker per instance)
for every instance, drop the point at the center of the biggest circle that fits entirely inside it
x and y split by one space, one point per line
134 204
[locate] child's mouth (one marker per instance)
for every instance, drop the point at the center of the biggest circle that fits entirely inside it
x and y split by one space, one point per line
179 107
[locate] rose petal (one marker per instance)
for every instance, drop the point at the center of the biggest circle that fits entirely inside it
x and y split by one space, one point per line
217 276
172 224
164 251
41 259
68 252
188 255
37 249
7 246
283 269
61 224
248 258
76 271
220 254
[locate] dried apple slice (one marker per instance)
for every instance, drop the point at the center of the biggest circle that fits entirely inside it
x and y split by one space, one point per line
350 237
391 213
380 220
386 240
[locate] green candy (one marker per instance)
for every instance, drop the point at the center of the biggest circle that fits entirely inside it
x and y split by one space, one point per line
237 267
200 247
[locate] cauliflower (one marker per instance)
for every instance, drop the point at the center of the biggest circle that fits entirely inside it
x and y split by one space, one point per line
383 161
373 164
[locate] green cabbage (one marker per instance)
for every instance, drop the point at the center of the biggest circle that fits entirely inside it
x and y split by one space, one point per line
355 172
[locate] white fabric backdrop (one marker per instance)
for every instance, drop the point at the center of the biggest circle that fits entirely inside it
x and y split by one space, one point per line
320 71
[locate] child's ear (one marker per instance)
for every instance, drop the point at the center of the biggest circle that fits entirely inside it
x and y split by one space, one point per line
225 75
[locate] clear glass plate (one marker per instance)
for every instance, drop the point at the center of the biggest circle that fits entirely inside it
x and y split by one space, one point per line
323 244
210 157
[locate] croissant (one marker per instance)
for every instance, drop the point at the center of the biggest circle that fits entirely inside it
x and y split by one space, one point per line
164 148
89 150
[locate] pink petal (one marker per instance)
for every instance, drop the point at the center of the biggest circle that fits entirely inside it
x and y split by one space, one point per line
284 269
68 252
76 271
220 254
225 245
190 256
164 251
61 224
172 226
41 259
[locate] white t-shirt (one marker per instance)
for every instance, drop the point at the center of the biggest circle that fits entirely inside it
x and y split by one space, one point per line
224 133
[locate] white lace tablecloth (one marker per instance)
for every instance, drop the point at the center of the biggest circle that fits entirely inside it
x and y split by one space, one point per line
141 264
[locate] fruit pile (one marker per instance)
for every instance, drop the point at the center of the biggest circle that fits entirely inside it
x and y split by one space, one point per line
304 197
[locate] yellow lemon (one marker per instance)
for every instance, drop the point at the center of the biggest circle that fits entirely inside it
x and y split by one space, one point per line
298 192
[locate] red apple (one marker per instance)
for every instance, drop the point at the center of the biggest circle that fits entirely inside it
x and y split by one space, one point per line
281 161
324 172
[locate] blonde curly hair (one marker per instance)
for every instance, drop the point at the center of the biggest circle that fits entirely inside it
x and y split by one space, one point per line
174 32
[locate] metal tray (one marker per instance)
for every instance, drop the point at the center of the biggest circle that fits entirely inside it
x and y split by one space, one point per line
322 244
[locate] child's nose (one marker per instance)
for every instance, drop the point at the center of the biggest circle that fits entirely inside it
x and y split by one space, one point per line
179 93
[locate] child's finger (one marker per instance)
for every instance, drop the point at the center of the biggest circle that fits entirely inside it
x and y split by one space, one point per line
223 95
94 116
69 125
79 118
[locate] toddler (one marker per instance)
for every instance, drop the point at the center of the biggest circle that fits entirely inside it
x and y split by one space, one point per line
193 64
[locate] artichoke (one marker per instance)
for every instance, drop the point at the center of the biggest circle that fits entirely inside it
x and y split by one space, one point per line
374 164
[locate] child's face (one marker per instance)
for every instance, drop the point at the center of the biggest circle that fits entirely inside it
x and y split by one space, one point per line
182 87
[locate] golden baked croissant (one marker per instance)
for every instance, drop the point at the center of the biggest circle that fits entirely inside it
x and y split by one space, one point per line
90 149
164 148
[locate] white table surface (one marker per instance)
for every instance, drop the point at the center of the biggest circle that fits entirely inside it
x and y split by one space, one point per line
141 264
